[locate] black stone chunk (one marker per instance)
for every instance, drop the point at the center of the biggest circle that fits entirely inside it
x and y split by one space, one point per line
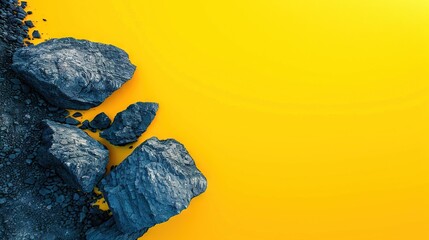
29 23
100 122
85 125
36 34
74 74
79 159
157 181
77 114
131 123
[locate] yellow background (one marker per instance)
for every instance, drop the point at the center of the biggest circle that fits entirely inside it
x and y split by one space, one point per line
309 118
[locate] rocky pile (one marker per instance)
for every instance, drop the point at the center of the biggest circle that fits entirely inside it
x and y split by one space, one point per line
70 73
157 181
13 31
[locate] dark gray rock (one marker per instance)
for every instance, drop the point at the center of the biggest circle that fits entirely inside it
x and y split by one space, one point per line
79 159
70 73
109 230
77 114
157 181
100 122
36 34
85 125
131 123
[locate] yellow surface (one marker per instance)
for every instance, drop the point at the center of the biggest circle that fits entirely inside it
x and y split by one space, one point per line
309 118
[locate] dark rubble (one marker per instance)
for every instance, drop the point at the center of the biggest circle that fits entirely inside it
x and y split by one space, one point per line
79 159
157 181
131 123
75 74
35 203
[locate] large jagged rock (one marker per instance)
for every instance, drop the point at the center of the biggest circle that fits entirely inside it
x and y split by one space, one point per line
109 230
79 159
75 74
157 181
131 123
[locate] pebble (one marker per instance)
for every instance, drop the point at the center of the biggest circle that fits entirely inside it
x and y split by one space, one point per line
36 34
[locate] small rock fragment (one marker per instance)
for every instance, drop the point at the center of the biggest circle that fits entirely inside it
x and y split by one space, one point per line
75 74
77 114
36 34
85 125
157 181
79 159
100 122
131 123
29 23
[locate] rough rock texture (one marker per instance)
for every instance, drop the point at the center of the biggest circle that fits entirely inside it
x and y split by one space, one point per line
79 159
13 31
75 74
35 203
131 123
100 122
157 181
109 230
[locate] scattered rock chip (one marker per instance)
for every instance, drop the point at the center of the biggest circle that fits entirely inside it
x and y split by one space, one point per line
100 122
29 23
85 125
36 34
157 181
131 123
79 159
75 74
77 114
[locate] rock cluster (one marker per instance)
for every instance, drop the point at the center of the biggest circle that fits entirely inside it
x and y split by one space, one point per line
79 159
157 181
35 203
129 124
70 73
12 29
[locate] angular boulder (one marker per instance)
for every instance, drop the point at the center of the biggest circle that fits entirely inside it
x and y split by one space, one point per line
74 74
79 159
109 230
157 181
131 123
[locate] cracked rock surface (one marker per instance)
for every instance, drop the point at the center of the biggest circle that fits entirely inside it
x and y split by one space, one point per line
131 123
74 74
79 159
157 181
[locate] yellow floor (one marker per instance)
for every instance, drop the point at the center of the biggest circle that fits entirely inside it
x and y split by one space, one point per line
309 118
